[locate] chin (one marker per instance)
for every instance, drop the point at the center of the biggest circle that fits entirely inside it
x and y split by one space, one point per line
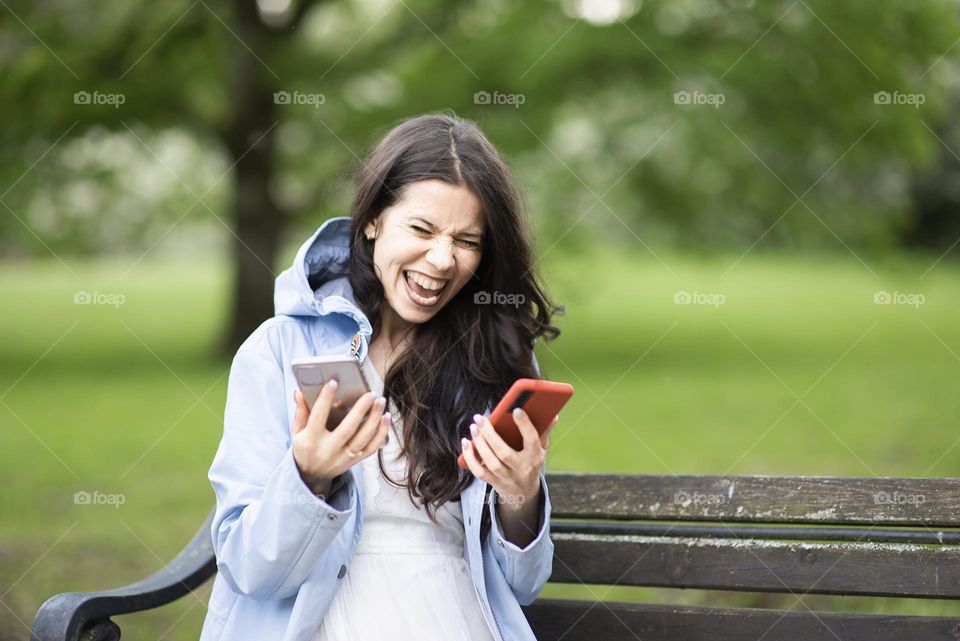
414 315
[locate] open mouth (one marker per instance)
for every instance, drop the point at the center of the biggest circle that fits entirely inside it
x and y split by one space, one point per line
422 290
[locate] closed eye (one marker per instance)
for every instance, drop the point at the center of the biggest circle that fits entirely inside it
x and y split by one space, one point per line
468 243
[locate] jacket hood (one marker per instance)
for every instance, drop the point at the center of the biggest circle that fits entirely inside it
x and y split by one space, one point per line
317 284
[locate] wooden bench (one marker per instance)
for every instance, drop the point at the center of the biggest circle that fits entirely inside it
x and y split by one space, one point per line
881 537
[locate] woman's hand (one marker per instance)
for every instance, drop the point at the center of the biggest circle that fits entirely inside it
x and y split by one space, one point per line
515 475
322 455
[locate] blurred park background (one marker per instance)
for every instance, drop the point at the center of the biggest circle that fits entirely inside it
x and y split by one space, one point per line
750 211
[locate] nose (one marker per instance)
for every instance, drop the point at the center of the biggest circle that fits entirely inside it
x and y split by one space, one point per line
441 256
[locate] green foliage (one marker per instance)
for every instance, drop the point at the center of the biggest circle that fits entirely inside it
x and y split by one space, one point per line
599 117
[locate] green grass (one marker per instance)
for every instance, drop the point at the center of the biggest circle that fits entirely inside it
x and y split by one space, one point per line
125 401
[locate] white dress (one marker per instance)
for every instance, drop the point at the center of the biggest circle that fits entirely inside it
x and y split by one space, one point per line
409 578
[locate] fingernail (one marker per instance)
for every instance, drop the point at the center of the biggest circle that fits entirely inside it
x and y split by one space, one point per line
294 396
332 384
517 412
477 418
473 430
381 402
464 444
386 418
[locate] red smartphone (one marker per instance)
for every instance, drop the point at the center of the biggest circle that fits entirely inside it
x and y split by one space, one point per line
541 400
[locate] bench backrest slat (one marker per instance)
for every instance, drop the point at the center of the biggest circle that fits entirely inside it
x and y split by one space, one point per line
760 499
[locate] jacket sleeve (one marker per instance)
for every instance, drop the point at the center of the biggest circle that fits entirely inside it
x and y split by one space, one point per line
269 528
525 569
528 569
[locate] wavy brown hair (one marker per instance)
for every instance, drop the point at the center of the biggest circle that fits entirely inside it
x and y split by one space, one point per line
466 356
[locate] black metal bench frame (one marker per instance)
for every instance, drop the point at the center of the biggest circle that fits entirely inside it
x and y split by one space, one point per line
883 537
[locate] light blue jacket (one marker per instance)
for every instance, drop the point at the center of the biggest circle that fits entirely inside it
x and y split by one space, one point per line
281 551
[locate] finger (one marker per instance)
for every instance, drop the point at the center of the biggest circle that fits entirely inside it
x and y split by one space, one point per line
473 463
317 422
529 432
494 441
545 437
300 415
490 459
369 430
351 422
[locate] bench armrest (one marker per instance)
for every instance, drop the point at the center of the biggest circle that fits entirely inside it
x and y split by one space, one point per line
67 616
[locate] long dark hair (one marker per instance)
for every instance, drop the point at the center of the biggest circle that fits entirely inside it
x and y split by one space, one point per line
466 356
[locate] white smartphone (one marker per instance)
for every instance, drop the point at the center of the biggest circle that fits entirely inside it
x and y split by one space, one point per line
312 374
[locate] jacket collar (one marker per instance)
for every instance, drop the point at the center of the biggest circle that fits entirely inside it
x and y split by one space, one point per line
317 283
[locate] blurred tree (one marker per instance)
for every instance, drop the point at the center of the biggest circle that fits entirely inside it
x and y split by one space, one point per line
691 121
935 191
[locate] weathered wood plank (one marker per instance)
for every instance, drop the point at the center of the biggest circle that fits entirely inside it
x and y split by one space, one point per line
763 499
857 534
556 620
871 569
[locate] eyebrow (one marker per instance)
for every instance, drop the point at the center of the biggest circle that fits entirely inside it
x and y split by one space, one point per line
432 226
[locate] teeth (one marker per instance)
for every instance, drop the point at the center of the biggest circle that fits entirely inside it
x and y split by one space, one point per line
428 283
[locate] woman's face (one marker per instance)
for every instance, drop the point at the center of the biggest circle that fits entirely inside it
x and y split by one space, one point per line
432 234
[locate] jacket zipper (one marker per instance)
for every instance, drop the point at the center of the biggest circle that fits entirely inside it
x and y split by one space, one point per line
483 567
492 613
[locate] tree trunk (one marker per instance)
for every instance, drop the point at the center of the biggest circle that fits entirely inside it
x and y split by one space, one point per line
257 222
935 220
256 218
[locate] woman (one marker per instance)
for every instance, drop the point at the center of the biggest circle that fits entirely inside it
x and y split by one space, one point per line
371 530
